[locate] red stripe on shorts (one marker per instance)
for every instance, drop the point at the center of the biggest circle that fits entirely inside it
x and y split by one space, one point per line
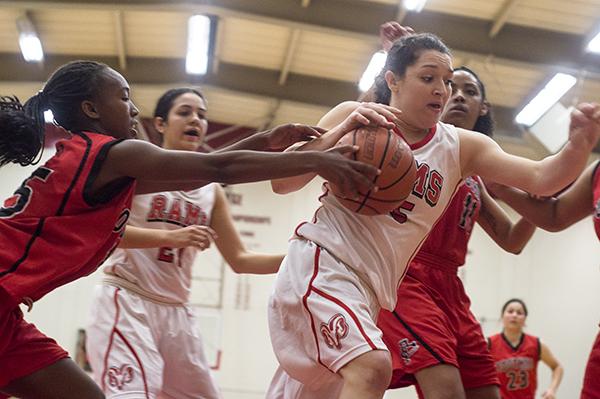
110 342
305 303
311 288
350 312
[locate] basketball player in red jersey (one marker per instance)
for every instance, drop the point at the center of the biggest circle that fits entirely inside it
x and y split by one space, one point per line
69 214
517 354
579 201
435 341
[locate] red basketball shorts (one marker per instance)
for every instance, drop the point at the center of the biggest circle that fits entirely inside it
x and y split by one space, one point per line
23 348
432 324
591 381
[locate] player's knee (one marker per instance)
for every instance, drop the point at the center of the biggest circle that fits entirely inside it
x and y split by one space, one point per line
441 382
372 370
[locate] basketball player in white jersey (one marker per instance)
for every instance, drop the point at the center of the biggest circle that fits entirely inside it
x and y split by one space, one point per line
143 341
342 267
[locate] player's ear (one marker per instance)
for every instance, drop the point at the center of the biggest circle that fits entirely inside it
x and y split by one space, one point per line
89 109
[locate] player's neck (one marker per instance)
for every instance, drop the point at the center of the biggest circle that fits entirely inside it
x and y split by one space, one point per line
513 335
411 134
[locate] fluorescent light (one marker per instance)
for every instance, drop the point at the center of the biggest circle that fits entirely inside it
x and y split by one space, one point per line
31 48
375 66
594 44
414 5
550 94
29 42
196 62
48 116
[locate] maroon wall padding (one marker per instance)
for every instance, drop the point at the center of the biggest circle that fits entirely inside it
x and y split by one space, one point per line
213 127
55 133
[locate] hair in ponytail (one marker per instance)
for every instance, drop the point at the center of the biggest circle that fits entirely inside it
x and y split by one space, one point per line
22 125
21 133
403 54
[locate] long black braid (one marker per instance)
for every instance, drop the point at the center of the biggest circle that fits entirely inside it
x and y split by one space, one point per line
22 126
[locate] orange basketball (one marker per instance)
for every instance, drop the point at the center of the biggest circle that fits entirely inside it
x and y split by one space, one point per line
387 151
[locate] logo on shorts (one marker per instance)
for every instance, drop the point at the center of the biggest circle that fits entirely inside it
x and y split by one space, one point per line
407 349
119 376
334 331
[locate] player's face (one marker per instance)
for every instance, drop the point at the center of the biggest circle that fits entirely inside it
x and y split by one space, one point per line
116 112
466 102
186 124
424 90
514 316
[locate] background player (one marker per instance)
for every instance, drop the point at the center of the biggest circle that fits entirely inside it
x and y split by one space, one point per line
577 202
516 355
146 292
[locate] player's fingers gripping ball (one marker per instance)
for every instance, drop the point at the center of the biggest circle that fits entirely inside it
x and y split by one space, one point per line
387 151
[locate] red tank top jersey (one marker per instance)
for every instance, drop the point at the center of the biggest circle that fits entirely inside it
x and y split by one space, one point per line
52 229
449 238
596 194
516 366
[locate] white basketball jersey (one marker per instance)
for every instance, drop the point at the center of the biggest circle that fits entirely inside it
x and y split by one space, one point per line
165 273
379 248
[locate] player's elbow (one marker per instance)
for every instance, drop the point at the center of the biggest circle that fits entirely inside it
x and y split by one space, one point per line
280 187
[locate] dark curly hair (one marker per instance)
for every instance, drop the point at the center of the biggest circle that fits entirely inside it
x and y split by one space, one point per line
20 138
22 126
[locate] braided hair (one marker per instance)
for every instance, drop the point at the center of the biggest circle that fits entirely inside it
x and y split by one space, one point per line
22 125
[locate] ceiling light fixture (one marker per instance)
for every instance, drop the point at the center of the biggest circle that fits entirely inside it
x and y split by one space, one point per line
29 41
557 87
414 5
594 44
198 46
375 66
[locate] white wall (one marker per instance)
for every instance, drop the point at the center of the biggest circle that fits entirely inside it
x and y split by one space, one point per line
557 275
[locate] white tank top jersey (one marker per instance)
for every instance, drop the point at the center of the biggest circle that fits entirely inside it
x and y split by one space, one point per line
379 248
163 273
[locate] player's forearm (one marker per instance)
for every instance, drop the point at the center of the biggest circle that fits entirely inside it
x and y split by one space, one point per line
256 142
137 237
245 166
255 263
557 375
541 213
295 183
519 236
559 170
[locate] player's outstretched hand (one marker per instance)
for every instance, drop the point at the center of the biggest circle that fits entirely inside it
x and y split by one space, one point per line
371 114
391 31
199 237
351 177
283 136
584 130
549 394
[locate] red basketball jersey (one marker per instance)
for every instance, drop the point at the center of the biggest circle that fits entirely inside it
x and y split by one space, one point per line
596 194
516 366
449 238
52 229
